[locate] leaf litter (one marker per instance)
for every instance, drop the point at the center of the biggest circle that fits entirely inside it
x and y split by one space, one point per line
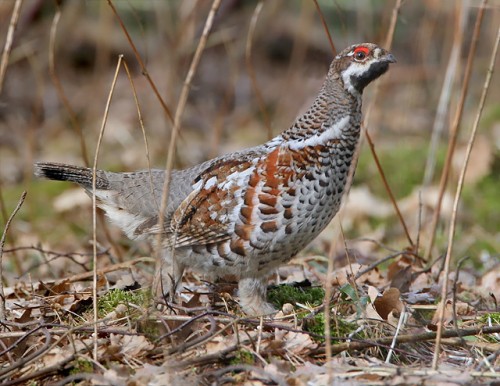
143 340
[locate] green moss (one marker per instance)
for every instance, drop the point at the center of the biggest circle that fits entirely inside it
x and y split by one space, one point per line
108 302
81 365
149 327
338 328
493 318
242 357
282 294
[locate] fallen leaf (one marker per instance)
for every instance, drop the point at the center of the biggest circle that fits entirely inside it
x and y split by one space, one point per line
388 302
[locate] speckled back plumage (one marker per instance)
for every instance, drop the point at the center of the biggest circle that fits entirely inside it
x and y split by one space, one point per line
245 213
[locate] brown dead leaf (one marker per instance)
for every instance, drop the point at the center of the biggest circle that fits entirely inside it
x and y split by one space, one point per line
60 287
461 309
343 275
128 345
298 343
388 302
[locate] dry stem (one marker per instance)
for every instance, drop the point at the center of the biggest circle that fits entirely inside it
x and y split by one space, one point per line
454 129
453 220
94 200
2 243
177 123
144 70
60 90
251 71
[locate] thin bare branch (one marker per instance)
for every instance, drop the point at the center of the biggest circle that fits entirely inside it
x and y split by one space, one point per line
325 27
454 129
251 70
178 120
376 88
8 41
60 90
2 243
94 199
143 130
460 184
411 338
446 92
141 63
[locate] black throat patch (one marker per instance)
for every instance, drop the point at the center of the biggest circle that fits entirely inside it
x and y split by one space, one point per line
359 82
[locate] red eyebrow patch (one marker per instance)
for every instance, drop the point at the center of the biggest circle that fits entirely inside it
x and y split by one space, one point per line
364 50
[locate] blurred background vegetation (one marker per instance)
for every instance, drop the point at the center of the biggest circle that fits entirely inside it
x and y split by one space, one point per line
290 55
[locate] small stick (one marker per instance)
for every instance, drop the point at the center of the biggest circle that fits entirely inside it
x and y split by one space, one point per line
8 40
2 243
94 200
325 27
177 124
454 129
144 70
402 319
460 184
145 138
60 90
446 92
251 70
410 338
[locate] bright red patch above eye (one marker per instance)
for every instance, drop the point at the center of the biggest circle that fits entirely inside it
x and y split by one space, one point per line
364 50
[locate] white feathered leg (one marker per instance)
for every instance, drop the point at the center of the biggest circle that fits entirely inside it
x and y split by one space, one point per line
252 293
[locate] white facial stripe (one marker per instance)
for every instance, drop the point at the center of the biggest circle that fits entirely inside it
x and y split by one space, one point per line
355 69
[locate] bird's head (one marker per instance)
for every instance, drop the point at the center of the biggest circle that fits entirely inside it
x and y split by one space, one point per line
360 64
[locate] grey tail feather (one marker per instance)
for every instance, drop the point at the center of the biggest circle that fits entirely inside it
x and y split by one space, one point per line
64 172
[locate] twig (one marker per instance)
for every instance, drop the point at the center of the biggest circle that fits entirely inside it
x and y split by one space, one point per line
94 199
402 319
60 90
461 179
325 27
177 124
410 338
217 356
143 130
25 360
376 88
200 339
144 70
94 378
387 187
454 130
241 367
110 268
328 296
2 243
8 40
444 98
377 263
251 70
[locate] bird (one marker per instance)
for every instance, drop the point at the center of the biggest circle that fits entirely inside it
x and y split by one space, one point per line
246 213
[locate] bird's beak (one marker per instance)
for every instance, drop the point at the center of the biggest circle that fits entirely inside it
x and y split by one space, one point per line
389 58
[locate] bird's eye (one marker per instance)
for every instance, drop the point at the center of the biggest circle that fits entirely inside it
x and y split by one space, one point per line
360 53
